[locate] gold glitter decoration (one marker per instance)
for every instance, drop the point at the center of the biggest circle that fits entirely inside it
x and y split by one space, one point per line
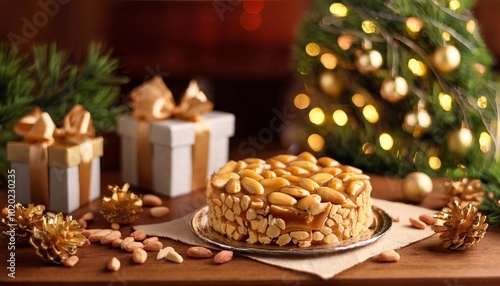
465 191
460 228
58 238
122 207
23 220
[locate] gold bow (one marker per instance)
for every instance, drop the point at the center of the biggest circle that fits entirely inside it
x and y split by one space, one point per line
38 129
153 101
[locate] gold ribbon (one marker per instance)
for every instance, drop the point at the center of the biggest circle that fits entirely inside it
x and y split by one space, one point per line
39 131
153 101
37 128
78 130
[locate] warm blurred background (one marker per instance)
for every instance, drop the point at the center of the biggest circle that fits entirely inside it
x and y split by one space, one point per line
240 51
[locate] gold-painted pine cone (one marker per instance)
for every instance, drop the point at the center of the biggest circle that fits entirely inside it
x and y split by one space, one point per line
23 220
57 238
123 207
460 228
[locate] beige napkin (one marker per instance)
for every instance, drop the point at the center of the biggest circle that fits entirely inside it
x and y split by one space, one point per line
325 266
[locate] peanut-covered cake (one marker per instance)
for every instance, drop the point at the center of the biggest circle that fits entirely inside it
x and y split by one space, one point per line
290 200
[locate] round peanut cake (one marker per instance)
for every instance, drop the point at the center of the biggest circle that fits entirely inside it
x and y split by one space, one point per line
290 200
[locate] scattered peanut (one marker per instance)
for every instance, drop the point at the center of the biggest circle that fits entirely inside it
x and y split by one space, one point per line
114 264
115 226
50 214
88 216
70 261
149 239
42 208
98 235
223 257
130 247
139 256
110 237
417 223
154 245
139 234
428 219
82 222
117 242
5 211
86 242
174 256
159 211
149 200
199 252
126 241
163 252
88 232
388 256
395 218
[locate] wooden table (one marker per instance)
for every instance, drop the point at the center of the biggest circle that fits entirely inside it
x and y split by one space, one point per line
422 263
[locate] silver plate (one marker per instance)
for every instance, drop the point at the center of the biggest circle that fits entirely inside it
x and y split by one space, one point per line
199 225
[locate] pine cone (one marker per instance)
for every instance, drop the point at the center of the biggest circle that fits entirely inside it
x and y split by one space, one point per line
23 220
465 192
122 207
58 238
460 227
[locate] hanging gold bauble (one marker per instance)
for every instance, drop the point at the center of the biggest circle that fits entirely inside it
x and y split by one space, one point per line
417 122
460 140
330 83
416 186
393 90
446 58
369 62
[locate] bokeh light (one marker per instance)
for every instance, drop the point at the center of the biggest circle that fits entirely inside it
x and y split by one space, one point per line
414 24
301 101
338 10
445 101
368 27
249 21
329 61
471 26
358 100
317 116
386 141
482 102
417 67
253 6
370 113
313 49
340 117
485 142
434 163
316 142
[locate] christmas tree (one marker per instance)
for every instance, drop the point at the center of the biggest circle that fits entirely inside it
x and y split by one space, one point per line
399 86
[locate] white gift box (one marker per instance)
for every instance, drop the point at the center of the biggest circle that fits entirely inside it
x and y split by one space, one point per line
172 142
64 178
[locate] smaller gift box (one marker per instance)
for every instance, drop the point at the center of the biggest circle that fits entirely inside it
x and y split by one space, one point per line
172 156
59 168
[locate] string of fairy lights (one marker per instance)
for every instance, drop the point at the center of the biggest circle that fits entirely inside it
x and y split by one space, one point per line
395 87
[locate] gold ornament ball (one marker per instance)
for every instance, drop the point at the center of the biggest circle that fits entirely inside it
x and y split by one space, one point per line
369 62
393 90
416 186
330 83
446 58
460 141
